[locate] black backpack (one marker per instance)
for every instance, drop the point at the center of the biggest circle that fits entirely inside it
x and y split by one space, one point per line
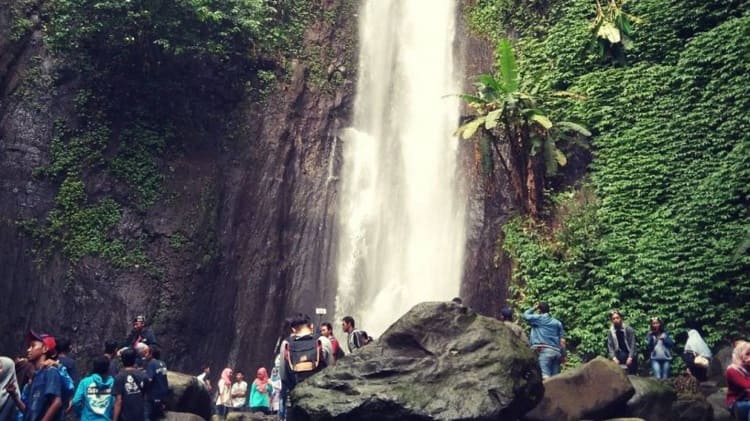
362 337
304 357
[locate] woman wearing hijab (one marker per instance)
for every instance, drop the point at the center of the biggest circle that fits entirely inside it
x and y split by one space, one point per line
224 397
7 377
276 395
738 382
697 355
260 393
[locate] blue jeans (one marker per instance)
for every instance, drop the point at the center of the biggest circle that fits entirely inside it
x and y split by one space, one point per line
282 403
741 409
549 361
660 368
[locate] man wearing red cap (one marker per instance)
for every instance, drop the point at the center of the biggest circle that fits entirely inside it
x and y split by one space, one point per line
44 401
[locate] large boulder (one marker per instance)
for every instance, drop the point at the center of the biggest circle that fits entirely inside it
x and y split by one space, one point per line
183 416
719 363
652 400
245 416
440 361
696 409
188 394
690 405
718 401
598 389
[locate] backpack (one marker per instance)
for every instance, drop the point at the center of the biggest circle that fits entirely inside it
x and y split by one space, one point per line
337 351
66 382
304 357
362 337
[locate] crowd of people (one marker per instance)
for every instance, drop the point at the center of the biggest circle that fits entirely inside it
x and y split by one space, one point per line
303 352
547 339
129 380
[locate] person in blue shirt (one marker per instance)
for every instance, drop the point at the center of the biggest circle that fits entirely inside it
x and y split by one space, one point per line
93 400
660 348
547 338
42 397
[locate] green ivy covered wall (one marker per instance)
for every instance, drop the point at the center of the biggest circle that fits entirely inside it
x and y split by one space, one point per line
661 224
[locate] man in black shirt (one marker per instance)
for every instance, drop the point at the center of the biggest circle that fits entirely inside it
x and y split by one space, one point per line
621 343
140 334
128 390
157 386
63 349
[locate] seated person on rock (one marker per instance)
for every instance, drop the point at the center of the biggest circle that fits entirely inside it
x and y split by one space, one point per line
738 382
697 355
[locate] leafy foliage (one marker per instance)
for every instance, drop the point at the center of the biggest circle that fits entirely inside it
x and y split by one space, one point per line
136 164
511 115
661 226
146 68
613 27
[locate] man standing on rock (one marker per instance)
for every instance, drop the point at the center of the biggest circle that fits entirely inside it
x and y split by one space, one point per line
621 343
140 334
156 384
326 330
355 338
547 338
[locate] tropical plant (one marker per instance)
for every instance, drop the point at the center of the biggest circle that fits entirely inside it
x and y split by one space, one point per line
612 27
509 112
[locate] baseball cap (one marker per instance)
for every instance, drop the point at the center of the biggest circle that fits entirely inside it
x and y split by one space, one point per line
140 318
47 340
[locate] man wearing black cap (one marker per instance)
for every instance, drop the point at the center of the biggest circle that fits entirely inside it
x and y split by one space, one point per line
140 334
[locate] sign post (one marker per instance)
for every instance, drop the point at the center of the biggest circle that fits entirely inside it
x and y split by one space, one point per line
320 311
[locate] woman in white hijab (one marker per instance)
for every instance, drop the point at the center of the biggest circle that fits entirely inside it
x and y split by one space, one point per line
7 376
697 355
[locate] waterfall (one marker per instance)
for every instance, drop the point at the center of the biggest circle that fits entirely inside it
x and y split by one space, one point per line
401 220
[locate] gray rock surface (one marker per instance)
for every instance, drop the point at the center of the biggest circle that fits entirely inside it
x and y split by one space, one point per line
188 395
652 399
718 401
598 389
440 361
692 410
183 416
719 363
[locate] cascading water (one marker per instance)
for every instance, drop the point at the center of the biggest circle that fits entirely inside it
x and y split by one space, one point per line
401 220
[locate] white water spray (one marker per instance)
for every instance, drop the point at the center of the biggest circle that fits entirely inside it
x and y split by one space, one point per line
401 221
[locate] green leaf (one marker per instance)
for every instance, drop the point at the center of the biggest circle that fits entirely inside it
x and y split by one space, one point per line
574 127
609 32
508 69
560 157
542 120
467 130
492 118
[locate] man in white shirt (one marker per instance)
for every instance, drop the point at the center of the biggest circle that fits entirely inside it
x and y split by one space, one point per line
239 392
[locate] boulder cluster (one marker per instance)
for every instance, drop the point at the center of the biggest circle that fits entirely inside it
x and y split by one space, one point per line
443 361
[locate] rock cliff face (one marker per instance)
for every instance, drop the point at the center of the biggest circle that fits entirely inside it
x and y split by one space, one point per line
253 208
486 268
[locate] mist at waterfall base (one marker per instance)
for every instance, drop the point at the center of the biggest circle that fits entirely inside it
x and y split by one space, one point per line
401 219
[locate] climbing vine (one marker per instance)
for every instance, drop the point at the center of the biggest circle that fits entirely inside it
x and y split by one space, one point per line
152 77
660 226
